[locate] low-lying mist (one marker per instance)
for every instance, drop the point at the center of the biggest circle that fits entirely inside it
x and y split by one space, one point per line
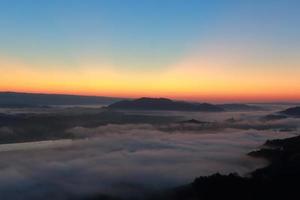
124 160
127 154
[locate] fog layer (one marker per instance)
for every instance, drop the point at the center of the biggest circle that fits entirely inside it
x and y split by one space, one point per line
123 160
128 154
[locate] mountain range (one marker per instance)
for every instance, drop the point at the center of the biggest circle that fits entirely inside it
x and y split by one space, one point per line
293 111
16 99
146 103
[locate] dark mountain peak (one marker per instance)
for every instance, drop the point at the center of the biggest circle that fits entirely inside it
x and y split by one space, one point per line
149 99
146 103
194 121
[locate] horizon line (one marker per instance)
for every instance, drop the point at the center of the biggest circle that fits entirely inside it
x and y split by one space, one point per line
151 96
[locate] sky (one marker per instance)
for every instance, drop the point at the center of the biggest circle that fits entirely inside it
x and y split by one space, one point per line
195 50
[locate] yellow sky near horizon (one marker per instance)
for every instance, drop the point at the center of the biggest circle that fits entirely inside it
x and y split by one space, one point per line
200 77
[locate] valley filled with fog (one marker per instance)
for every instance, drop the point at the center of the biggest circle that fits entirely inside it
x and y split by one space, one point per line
63 152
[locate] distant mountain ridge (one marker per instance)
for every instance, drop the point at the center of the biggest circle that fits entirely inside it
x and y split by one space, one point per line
240 107
16 99
146 103
294 111
19 100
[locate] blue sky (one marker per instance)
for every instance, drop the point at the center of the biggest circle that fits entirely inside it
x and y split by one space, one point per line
136 31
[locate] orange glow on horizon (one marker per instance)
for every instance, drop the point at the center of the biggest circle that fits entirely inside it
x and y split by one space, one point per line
200 79
289 97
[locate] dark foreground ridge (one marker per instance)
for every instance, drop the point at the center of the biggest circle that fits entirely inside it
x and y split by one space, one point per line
146 103
279 180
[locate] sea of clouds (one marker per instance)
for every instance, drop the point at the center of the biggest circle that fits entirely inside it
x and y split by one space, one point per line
128 160
135 159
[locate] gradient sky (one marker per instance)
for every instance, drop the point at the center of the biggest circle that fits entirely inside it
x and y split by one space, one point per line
200 50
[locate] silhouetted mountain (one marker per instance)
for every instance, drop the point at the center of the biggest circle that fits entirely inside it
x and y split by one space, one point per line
240 107
14 99
279 180
194 121
293 112
163 104
290 112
